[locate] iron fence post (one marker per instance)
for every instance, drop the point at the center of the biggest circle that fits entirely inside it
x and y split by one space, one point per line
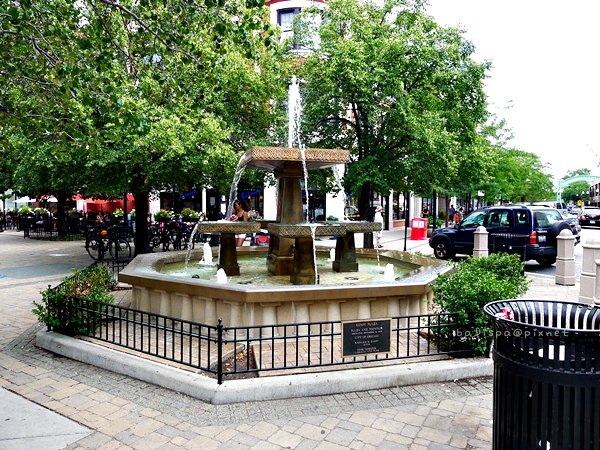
220 352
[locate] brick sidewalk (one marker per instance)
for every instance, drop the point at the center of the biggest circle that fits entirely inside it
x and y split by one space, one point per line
122 412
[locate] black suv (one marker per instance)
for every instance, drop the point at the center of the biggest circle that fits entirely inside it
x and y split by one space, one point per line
527 230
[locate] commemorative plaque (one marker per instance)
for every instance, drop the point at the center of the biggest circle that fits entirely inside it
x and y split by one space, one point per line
366 337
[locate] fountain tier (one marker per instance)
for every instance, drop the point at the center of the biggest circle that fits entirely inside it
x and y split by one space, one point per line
288 165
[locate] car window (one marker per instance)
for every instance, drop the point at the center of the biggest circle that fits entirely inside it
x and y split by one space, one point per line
547 218
473 220
521 218
498 218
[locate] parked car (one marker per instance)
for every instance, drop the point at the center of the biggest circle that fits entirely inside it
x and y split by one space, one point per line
573 221
529 231
589 216
561 206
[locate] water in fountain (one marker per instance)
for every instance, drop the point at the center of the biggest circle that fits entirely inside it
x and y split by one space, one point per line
191 243
221 276
313 232
239 170
338 178
388 274
207 257
332 254
294 115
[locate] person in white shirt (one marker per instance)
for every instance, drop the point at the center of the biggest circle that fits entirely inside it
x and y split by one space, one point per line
379 219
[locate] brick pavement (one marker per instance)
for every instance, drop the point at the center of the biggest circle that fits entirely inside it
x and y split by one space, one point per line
123 412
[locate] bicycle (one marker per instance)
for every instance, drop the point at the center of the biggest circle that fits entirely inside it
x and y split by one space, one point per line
113 240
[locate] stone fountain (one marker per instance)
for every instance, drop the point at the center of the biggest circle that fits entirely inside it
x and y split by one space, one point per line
292 254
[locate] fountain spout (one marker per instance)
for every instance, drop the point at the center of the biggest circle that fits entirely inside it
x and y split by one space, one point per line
221 276
388 274
207 257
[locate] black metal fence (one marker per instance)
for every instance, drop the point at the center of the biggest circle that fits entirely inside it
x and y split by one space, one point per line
114 265
243 352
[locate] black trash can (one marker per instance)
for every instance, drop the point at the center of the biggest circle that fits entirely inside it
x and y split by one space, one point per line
546 375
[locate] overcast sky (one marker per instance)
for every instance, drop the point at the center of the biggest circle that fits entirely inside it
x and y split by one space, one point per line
545 79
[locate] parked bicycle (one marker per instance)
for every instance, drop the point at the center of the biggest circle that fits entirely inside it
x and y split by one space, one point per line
113 240
174 234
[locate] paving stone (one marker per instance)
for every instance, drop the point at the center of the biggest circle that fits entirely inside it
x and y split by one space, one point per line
125 413
371 436
285 439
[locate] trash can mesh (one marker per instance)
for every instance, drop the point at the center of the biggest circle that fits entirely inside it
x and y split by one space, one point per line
546 375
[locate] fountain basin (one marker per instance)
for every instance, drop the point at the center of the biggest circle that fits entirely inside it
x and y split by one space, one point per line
228 227
272 158
254 305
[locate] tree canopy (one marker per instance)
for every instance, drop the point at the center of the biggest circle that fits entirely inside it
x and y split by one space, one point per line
402 93
105 97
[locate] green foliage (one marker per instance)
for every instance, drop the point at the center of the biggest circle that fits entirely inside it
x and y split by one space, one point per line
517 176
579 190
129 97
474 283
189 213
439 222
56 308
163 215
332 219
25 210
40 211
401 92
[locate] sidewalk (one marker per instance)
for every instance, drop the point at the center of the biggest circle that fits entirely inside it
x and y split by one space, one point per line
52 402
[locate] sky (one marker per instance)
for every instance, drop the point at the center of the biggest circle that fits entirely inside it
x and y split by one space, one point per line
545 76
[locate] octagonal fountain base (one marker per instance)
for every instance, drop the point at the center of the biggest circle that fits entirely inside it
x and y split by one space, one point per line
240 305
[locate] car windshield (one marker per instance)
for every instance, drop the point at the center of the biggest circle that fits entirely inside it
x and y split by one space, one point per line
473 220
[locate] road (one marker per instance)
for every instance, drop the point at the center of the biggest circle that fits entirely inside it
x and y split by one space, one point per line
586 234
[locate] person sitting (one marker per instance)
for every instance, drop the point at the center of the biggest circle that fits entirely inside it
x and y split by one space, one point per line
240 214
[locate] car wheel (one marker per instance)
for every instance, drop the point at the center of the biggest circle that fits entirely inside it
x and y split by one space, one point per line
442 250
546 261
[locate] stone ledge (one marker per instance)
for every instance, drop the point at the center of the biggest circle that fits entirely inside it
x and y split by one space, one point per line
268 388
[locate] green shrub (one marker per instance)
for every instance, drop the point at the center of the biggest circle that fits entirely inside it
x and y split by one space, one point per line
332 219
474 283
55 310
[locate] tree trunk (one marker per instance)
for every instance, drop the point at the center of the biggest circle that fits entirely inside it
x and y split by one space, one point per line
61 217
142 235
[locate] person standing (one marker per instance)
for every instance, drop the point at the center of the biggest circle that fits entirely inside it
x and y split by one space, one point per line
379 219
451 212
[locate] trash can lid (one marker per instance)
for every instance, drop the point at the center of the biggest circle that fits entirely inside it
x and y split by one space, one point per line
546 314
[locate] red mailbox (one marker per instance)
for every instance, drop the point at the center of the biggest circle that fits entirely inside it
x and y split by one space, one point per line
418 229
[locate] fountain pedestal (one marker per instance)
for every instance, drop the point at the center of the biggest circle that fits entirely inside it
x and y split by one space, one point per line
303 263
345 247
228 250
228 255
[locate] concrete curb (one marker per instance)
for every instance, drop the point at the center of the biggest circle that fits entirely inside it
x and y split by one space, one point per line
266 388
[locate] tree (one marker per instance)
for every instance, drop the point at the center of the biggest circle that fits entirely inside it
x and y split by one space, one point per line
399 91
136 96
578 190
517 176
